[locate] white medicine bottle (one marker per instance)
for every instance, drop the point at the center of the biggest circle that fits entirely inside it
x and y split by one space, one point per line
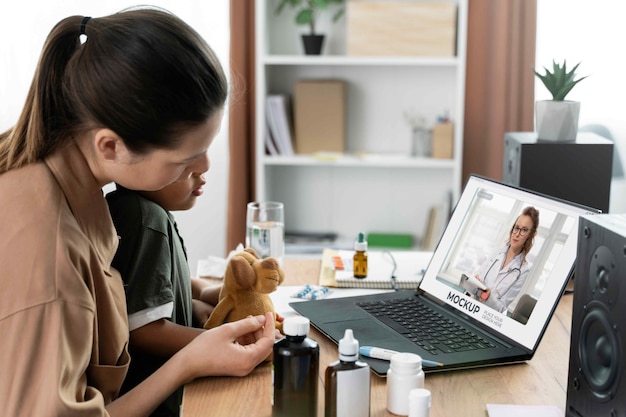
405 374
347 382
419 403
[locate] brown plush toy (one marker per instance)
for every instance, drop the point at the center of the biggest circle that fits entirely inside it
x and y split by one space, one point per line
248 281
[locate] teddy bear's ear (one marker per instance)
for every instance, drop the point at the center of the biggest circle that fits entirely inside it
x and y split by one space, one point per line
252 252
242 271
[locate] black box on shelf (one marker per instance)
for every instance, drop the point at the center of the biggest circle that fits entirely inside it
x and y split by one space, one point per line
578 171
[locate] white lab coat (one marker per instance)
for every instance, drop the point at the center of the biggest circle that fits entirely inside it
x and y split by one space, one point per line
505 283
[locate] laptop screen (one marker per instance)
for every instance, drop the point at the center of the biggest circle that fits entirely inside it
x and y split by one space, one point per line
505 258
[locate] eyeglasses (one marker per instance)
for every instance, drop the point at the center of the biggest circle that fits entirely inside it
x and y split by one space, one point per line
522 231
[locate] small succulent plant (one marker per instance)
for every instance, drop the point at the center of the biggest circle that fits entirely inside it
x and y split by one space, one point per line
308 10
559 82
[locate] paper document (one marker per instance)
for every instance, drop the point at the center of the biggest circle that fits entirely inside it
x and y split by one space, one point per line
470 283
514 410
406 266
284 295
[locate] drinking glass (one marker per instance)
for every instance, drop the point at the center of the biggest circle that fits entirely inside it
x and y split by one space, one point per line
265 229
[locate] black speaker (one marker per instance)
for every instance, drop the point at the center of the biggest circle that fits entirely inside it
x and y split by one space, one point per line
578 171
595 384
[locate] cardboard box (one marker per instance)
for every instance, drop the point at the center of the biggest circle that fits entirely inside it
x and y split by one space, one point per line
319 116
443 140
401 28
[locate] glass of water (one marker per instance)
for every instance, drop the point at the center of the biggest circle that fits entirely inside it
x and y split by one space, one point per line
265 229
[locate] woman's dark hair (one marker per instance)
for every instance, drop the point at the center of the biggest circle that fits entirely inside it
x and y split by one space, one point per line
533 213
143 73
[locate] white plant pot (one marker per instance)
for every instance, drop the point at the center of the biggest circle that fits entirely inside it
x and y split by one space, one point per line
557 120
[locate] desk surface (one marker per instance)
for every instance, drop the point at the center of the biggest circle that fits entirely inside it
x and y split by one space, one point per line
541 381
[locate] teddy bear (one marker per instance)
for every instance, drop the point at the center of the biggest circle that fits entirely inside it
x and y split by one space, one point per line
248 281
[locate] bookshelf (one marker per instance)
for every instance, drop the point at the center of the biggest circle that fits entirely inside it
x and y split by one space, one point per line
375 185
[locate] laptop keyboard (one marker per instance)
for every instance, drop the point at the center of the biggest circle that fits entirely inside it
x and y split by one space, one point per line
424 326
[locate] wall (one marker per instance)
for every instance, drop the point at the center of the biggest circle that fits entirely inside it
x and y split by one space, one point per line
23 28
592 33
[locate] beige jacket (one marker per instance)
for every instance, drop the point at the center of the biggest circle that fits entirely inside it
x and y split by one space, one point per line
63 325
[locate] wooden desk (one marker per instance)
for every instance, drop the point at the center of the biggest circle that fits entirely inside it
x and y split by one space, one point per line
543 380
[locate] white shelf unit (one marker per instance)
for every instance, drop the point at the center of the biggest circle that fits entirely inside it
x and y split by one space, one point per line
376 186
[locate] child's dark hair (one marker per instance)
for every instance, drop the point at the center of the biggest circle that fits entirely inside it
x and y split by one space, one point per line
143 73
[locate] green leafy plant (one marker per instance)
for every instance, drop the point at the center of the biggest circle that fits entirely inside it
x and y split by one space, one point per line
559 82
308 10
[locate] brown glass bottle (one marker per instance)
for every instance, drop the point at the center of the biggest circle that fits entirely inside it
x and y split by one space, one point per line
359 260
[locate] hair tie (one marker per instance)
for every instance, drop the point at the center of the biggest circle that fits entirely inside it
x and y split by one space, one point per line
83 24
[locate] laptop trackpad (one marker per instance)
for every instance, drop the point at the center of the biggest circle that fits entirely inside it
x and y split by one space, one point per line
367 331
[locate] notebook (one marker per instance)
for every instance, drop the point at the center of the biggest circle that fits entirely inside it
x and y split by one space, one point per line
406 268
455 327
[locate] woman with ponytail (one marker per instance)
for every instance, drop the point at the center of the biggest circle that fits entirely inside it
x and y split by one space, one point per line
134 98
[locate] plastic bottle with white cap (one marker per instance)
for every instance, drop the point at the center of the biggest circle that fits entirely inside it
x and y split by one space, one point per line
419 402
405 374
295 371
347 382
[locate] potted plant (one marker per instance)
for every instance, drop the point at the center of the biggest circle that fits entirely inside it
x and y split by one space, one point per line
557 119
307 13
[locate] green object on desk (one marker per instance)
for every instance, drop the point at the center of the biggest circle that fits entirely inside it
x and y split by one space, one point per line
390 240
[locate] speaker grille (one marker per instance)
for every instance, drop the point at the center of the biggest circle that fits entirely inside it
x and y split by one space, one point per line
603 279
599 352
596 384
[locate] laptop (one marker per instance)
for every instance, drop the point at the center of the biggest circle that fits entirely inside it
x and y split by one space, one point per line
445 320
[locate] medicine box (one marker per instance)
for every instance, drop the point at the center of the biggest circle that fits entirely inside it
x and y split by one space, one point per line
319 116
443 140
401 28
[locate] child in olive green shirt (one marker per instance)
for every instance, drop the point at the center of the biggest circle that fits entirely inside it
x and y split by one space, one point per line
163 301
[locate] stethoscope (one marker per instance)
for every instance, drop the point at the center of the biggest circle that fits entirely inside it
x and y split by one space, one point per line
504 276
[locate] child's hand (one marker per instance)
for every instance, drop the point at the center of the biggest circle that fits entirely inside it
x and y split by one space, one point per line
278 333
210 295
200 312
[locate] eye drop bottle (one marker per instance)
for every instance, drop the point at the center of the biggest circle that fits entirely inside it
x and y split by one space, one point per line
347 382
295 371
360 257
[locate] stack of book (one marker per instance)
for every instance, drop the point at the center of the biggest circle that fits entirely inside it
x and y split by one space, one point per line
308 242
278 126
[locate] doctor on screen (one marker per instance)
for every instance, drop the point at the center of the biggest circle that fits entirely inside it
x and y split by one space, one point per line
504 273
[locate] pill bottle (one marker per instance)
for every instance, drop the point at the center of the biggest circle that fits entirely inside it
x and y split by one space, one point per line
347 382
405 374
359 261
295 371
419 402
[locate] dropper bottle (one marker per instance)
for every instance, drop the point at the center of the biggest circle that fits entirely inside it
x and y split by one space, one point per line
347 382
360 257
